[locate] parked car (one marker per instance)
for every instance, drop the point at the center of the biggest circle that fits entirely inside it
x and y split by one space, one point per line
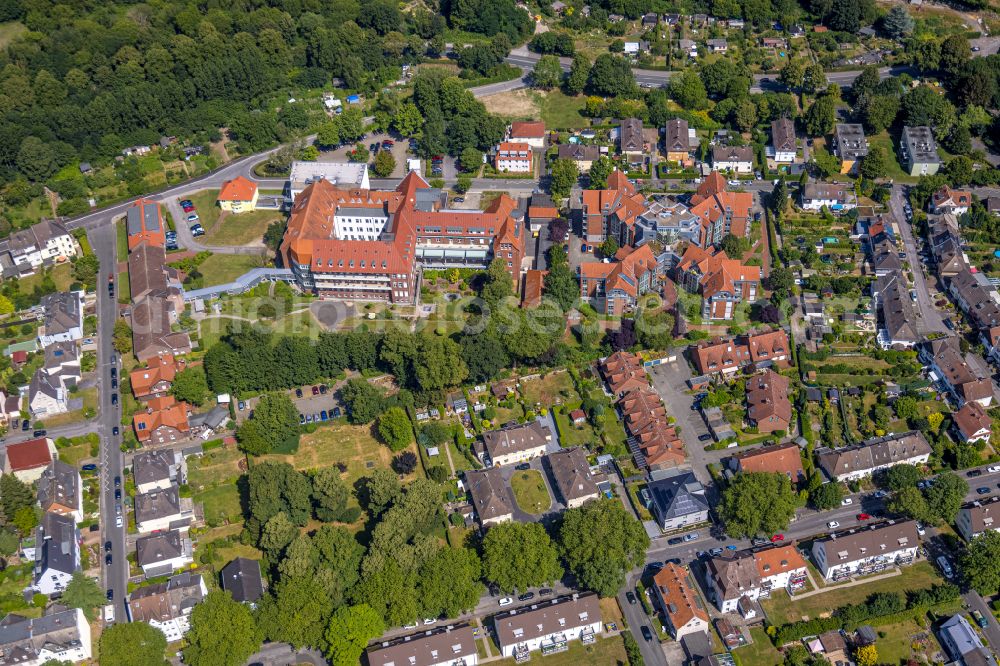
982 490
430 620
704 438
114 383
107 559
980 620
110 594
302 419
114 398
193 217
833 524
674 541
298 393
242 405
777 537
506 601
522 467
324 416
336 412
973 473
89 467
847 501
114 431
459 200
921 530
993 469
545 591
323 389
118 521
25 425
864 516
526 596
39 433
690 537
118 482
758 541
315 390
715 552
631 597
646 633
945 566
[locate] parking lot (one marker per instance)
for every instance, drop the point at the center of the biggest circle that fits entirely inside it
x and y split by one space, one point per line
399 149
308 405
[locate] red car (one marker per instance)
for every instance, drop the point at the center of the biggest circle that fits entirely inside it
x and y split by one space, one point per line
864 516
315 390
777 537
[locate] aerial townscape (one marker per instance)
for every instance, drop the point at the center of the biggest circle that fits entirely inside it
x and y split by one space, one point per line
372 333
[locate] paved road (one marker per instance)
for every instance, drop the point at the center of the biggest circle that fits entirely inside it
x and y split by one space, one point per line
992 629
635 615
283 654
929 317
103 241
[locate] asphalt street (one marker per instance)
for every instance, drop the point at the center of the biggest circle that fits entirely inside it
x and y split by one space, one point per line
930 317
103 240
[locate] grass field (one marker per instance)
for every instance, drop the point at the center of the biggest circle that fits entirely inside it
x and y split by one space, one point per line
204 206
781 608
546 390
222 268
605 652
761 652
89 400
121 240
573 435
897 646
62 275
893 169
560 111
530 492
243 229
72 455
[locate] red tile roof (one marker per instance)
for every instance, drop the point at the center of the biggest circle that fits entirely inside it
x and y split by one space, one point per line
237 189
527 130
782 459
31 454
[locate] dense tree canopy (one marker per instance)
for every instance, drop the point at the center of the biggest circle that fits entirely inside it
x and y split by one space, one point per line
757 503
519 556
223 632
601 542
133 644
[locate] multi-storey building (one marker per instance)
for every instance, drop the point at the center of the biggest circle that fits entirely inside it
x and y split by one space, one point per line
548 626
679 602
167 606
43 244
615 287
725 357
62 636
978 517
866 550
954 374
680 142
783 145
720 211
850 145
753 575
513 157
872 455
369 245
723 283
918 151
453 645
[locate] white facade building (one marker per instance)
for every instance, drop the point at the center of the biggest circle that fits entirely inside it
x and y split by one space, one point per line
548 626
43 244
753 575
349 175
62 636
167 606
867 550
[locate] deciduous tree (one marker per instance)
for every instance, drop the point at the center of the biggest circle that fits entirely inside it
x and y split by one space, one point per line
83 593
133 644
363 401
547 73
350 629
518 556
190 385
395 429
223 632
757 503
601 542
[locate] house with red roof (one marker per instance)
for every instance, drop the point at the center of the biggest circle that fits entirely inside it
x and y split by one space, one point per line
238 195
164 421
948 200
156 378
720 211
513 157
28 460
727 355
613 212
615 287
723 283
529 132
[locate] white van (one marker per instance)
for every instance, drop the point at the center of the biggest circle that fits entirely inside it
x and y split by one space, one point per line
109 613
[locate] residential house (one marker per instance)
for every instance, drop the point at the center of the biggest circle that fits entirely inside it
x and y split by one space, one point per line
614 288
992 205
238 195
144 224
63 318
978 298
749 575
513 157
634 48
773 43
680 141
948 200
630 141
866 550
515 444
155 380
28 460
48 394
850 145
167 606
779 459
720 211
679 601
60 490
573 480
529 132
736 159
834 196
972 423
558 6
163 553
57 553
583 156
918 151
548 626
541 211
949 368
897 319
10 410
679 501
946 245
62 360
783 146
613 212
61 636
768 406
872 455
688 47
977 517
658 444
164 420
440 646
160 510
157 298
723 283
242 579
491 497
43 244
963 643
624 372
346 175
726 356
158 469
717 45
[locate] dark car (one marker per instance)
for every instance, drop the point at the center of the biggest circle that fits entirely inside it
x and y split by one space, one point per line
948 324
25 426
107 559
631 598
673 560
298 393
972 473
114 431
336 412
242 405
114 372
111 594
302 419
118 482
114 398
315 390
983 490
38 433
323 389
323 416
107 546
675 541
114 383
118 493
526 596
646 633
704 438
522 466
89 467
545 591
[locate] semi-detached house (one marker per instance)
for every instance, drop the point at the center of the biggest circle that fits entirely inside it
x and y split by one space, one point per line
167 606
679 602
978 517
60 636
42 244
872 455
949 368
753 575
866 550
726 356
515 444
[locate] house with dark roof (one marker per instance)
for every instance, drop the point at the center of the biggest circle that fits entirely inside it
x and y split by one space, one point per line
60 636
950 369
242 579
28 460
783 147
573 480
873 455
753 575
57 553
163 553
63 320
158 469
866 550
167 606
490 495
548 626
48 394
737 159
515 444
439 646
61 491
679 500
978 298
963 643
583 156
978 517
630 141
43 244
680 141
162 510
897 325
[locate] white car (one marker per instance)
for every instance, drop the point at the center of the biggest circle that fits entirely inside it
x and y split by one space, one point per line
430 620
412 625
118 521
506 601
833 524
921 530
847 502
993 468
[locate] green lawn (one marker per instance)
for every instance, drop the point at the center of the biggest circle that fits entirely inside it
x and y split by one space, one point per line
530 492
573 435
62 275
222 268
89 400
761 652
560 111
221 503
242 229
205 207
605 652
897 644
73 455
121 240
545 390
893 169
781 609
